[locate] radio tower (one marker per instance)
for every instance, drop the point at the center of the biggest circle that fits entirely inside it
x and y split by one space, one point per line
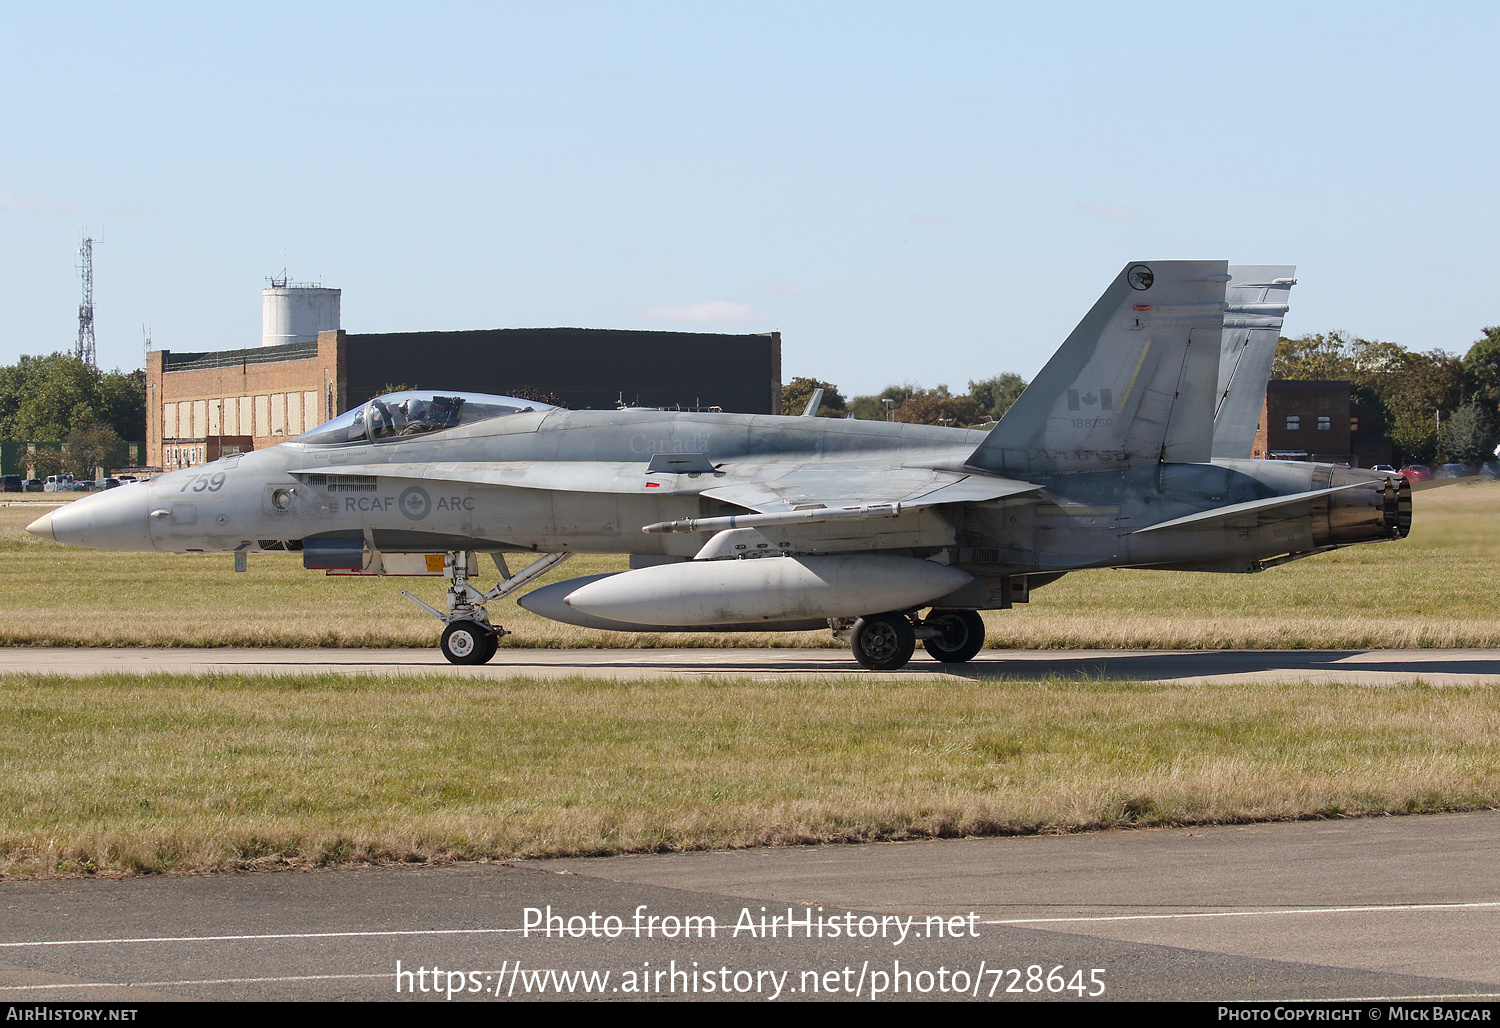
84 351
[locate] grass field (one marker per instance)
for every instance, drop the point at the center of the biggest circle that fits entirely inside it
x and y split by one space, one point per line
1436 588
127 775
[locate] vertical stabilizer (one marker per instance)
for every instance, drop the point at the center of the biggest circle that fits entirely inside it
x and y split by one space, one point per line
1255 305
1133 384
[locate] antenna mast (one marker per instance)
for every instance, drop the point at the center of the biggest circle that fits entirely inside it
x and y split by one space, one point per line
84 351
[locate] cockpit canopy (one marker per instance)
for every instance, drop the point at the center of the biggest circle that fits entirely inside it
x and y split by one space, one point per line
415 412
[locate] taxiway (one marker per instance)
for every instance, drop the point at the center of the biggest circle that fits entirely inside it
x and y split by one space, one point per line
1362 667
1325 910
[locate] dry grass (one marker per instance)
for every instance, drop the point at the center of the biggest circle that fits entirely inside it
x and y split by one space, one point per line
1436 588
124 774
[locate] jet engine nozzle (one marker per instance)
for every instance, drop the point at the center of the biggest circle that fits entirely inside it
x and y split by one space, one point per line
1380 509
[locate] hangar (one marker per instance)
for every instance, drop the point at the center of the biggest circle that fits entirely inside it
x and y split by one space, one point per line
200 406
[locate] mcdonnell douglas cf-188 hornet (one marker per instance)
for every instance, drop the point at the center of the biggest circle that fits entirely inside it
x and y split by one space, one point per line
1131 449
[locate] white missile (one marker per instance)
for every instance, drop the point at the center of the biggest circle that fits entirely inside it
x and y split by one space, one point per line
720 592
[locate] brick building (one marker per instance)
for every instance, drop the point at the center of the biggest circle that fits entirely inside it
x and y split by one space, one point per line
1315 421
218 402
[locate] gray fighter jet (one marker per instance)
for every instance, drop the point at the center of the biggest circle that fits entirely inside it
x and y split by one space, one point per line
1129 450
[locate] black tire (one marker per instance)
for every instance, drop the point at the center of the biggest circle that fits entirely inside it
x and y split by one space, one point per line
468 642
883 642
492 644
962 635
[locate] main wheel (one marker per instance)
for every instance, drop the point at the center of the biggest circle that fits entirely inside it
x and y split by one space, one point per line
883 642
961 635
468 642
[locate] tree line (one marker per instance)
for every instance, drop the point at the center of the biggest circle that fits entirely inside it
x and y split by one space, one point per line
985 402
59 398
1434 406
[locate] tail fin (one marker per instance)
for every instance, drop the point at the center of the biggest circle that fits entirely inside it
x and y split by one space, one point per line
1133 384
1256 303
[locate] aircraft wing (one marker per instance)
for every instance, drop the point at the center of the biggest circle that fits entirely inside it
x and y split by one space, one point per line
774 488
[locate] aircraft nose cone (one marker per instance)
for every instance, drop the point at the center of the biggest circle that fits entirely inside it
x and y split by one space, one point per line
112 520
42 526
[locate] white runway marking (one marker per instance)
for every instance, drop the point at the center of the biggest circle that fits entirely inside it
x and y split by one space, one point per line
203 981
505 931
253 938
1246 913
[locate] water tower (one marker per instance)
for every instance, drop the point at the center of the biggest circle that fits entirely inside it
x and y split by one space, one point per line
296 313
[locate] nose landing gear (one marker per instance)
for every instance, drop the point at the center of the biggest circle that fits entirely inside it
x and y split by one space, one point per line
468 636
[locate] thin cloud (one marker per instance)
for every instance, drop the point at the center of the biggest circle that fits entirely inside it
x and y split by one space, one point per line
34 202
1110 213
709 312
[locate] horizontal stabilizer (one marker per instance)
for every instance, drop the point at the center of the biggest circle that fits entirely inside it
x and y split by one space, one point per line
1222 515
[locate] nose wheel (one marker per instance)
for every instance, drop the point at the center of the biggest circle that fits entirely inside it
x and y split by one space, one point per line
469 642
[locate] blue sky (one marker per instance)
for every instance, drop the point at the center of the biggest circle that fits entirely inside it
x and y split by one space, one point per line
927 192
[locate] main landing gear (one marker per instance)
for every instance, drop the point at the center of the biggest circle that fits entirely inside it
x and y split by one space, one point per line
886 642
468 636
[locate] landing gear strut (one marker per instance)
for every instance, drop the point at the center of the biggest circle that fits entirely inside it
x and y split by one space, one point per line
468 636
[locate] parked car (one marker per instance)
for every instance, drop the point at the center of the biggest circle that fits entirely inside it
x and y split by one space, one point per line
58 484
1417 472
11 483
106 483
1383 467
1454 471
35 485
